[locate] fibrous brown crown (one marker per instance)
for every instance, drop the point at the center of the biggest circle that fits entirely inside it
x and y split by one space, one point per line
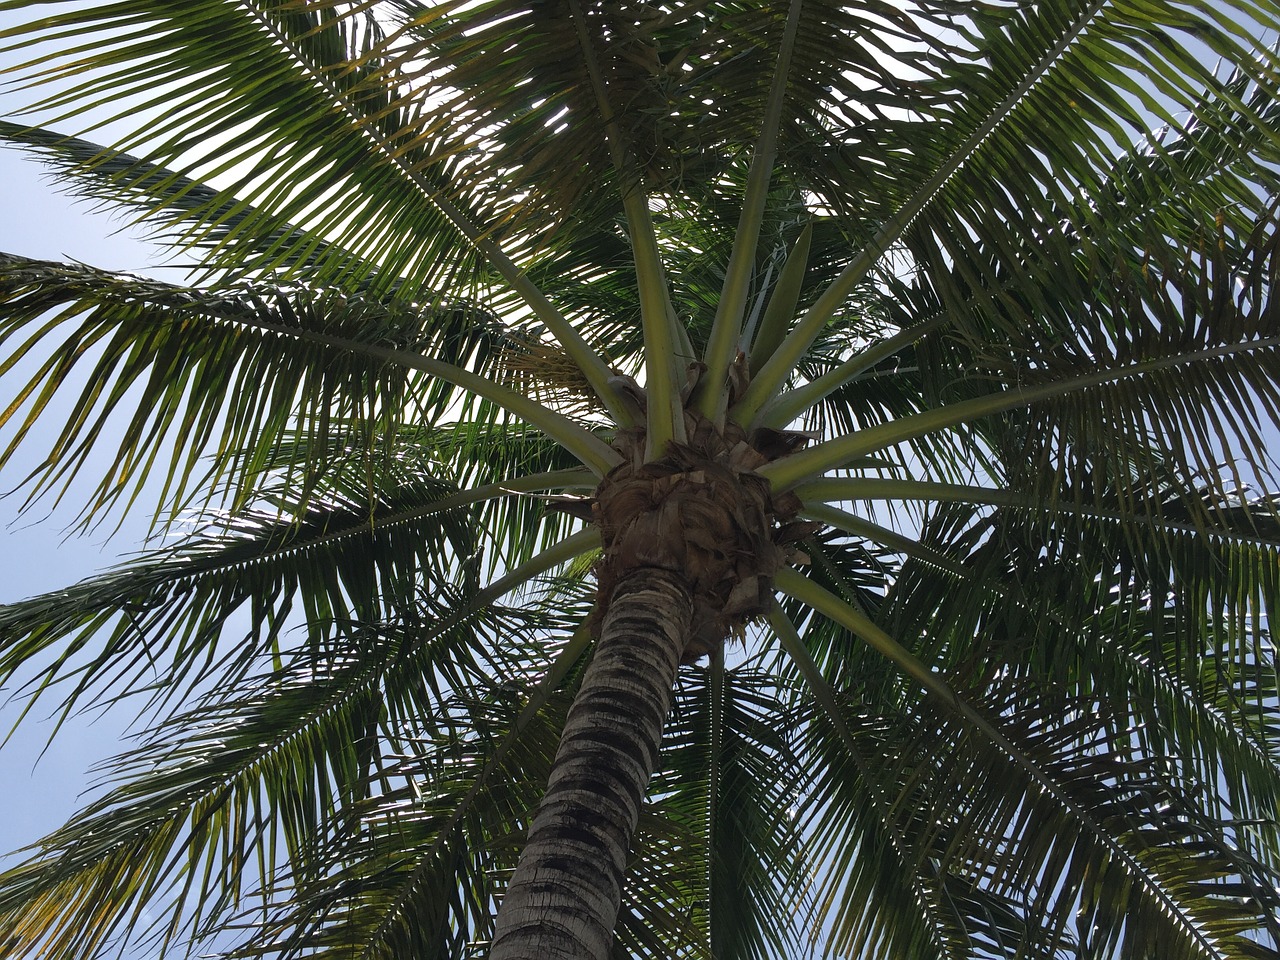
701 511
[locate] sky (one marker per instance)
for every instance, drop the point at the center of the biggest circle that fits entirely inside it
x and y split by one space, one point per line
42 787
38 221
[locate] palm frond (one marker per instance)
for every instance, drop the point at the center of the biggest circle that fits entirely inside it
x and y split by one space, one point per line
250 778
240 239
330 101
1147 888
265 358
209 608
436 837
731 780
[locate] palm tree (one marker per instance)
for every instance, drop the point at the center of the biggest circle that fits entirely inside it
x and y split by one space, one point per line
709 479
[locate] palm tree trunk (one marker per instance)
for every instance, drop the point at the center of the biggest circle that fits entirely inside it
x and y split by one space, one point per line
563 900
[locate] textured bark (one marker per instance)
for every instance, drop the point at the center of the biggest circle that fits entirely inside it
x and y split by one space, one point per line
563 899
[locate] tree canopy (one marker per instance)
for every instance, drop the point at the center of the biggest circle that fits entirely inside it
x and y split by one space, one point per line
976 298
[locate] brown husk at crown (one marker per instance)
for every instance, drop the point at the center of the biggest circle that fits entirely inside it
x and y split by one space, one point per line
703 512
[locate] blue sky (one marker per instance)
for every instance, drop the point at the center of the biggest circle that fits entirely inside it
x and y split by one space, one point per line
38 221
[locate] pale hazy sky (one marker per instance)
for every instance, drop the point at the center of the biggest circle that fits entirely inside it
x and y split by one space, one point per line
38 221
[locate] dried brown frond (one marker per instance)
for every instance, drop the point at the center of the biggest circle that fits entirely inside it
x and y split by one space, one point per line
546 373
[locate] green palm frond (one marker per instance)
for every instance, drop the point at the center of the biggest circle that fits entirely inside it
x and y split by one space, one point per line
234 232
221 597
324 84
269 773
419 877
268 357
253 377
960 826
732 783
1042 617
1159 205
292 67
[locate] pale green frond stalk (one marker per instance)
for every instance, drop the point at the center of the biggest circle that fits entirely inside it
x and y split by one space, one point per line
552 480
813 462
570 548
839 489
781 309
665 415
769 382
726 329
792 403
678 330
661 362
850 523
821 691
801 588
